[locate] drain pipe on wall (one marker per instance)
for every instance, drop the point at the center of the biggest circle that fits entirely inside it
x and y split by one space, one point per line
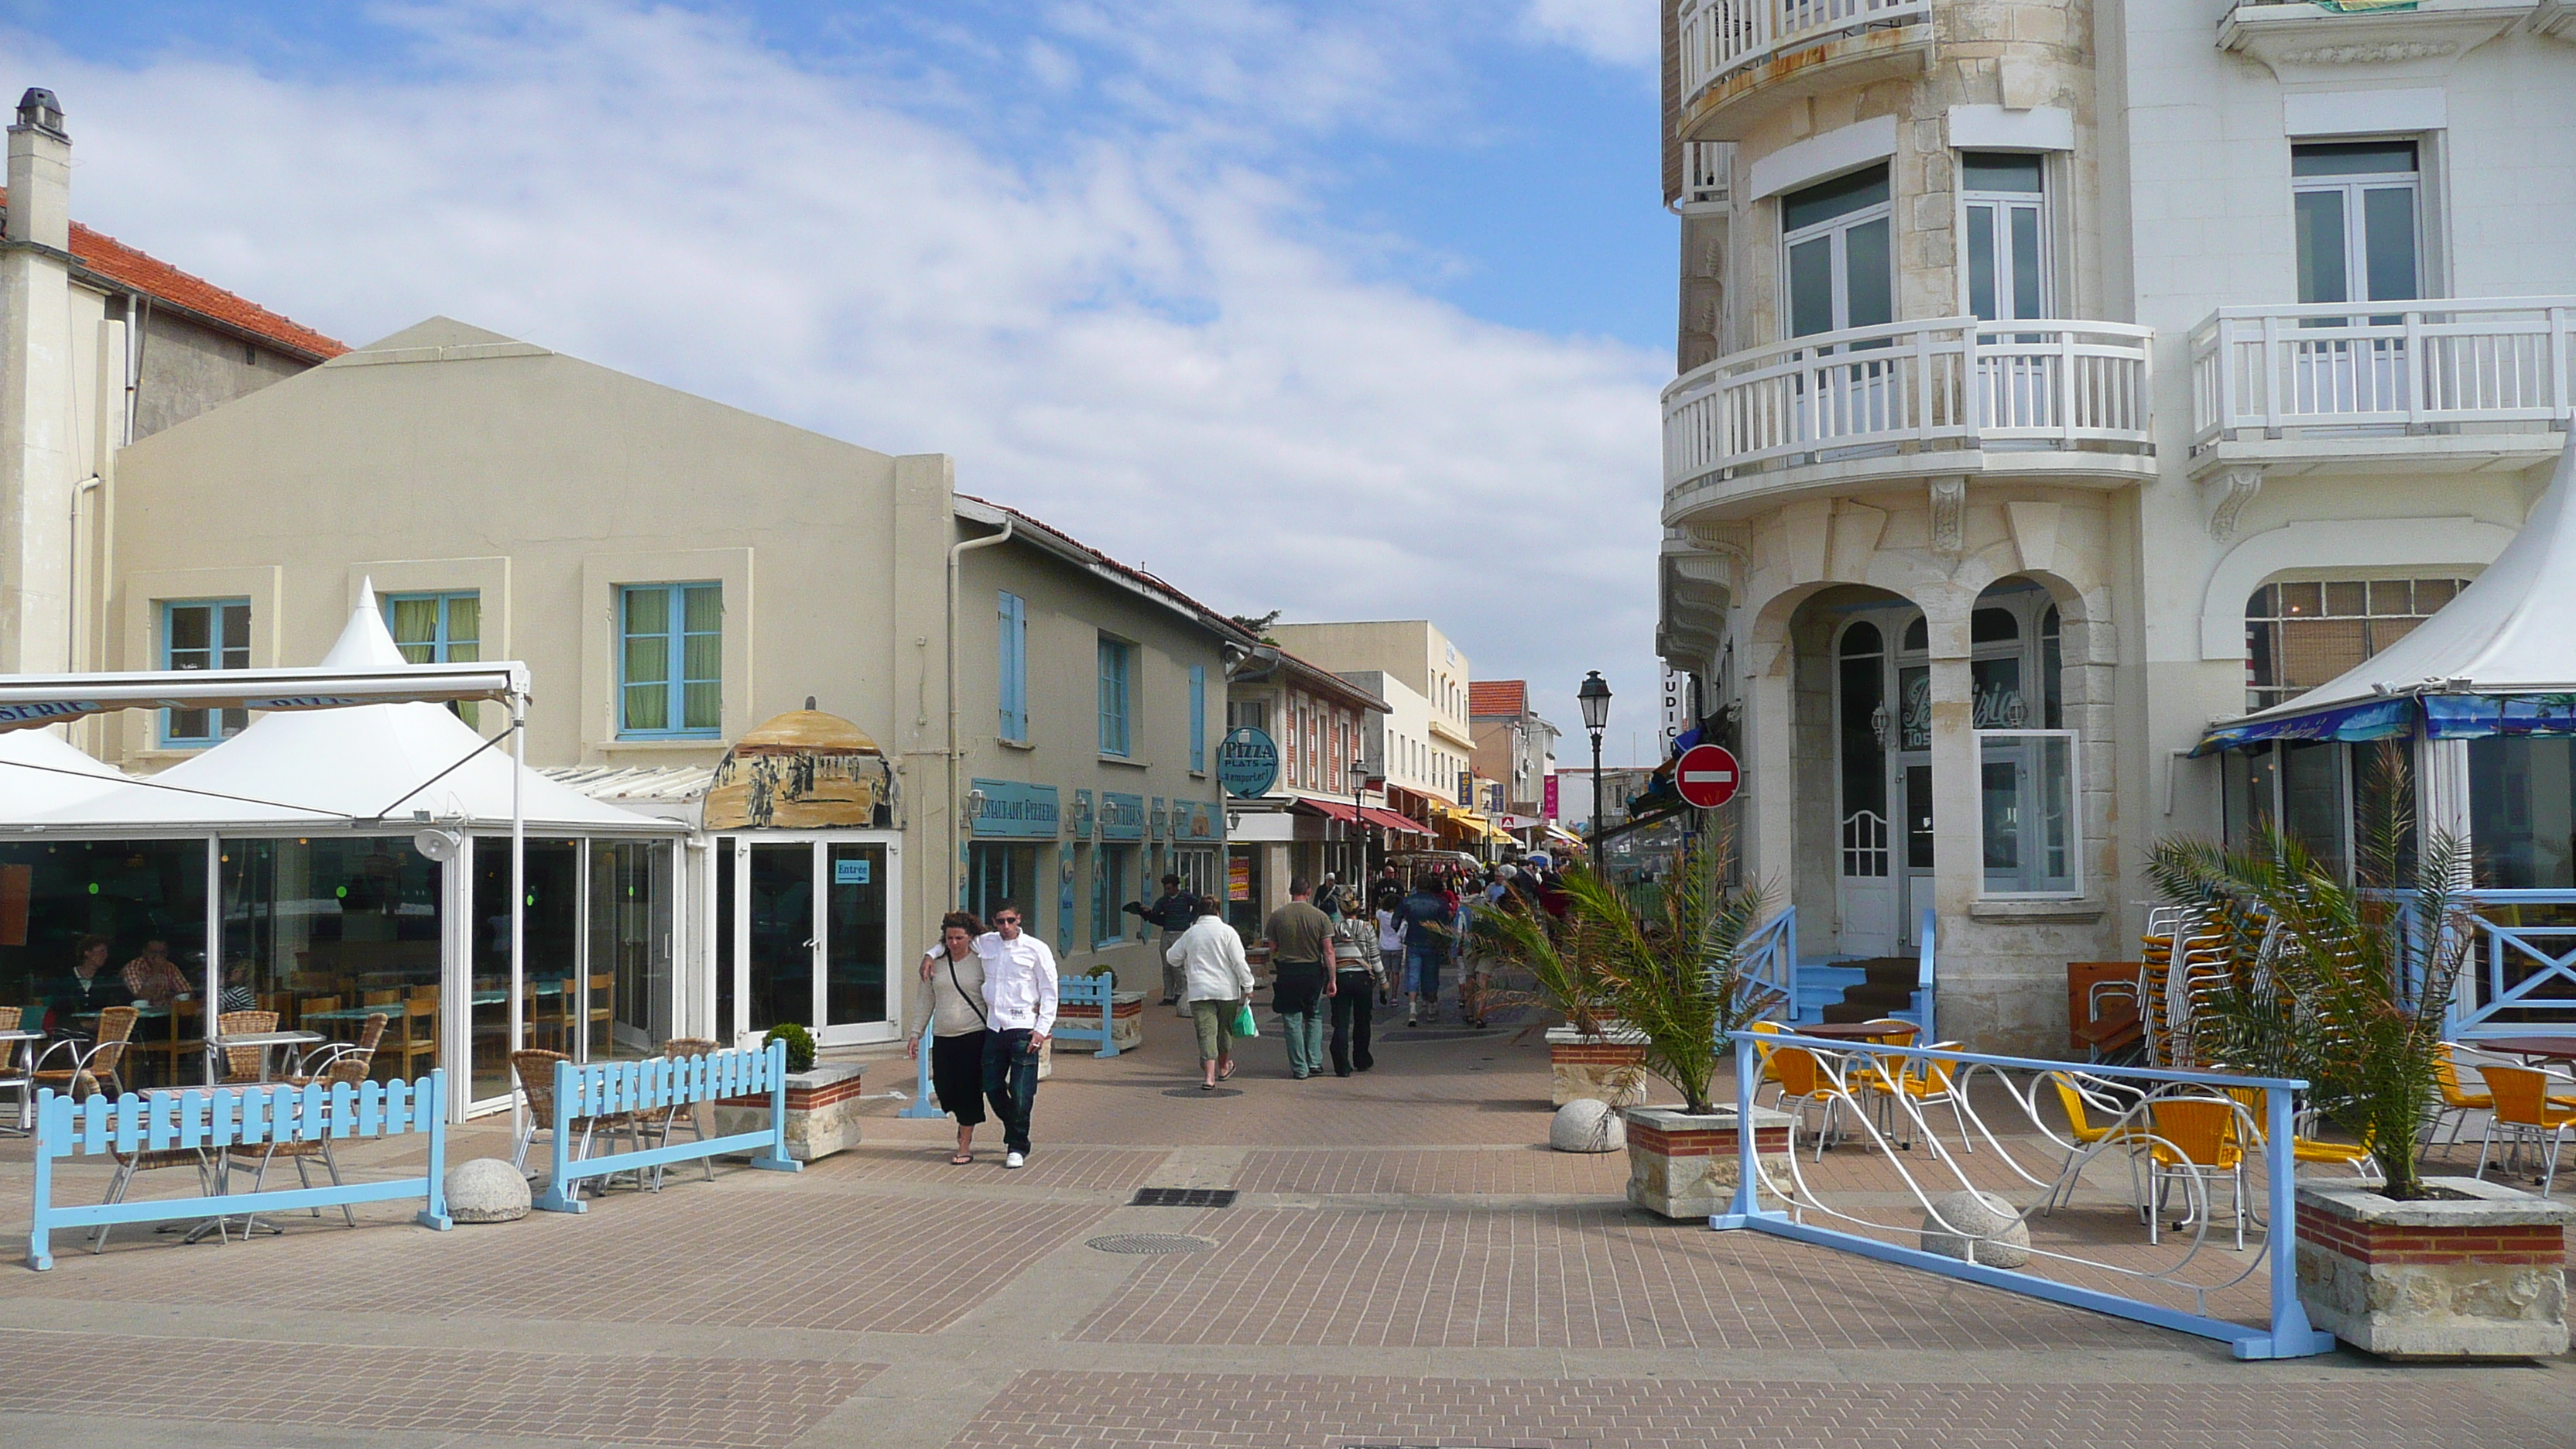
956 552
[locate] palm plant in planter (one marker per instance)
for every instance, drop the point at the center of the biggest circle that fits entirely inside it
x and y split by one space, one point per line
2345 986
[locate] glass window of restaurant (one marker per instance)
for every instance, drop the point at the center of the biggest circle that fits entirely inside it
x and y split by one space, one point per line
89 924
327 931
597 949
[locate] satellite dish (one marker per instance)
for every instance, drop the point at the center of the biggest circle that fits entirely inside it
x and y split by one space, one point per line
439 845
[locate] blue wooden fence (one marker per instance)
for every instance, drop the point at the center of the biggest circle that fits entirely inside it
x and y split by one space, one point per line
654 1088
217 1120
1101 990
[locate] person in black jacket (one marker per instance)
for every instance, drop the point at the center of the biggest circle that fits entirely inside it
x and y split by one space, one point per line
1171 913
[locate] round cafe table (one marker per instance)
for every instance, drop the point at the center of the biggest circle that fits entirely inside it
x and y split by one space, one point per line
2529 1048
1855 1031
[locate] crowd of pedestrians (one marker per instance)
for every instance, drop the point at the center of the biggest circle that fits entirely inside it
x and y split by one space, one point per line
1337 954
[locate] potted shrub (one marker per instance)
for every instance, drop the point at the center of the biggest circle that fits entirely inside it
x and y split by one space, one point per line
822 1101
1677 983
2348 987
1592 1055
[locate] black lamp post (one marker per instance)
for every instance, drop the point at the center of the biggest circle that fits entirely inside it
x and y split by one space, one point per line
1594 696
1359 823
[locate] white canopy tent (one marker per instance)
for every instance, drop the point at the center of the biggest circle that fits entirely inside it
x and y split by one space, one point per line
40 772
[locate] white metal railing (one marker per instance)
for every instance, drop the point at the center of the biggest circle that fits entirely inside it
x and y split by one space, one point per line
2355 364
1719 37
1707 172
1958 381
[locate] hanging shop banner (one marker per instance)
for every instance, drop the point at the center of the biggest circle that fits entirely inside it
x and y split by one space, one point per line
1016 811
1238 878
1122 817
1247 762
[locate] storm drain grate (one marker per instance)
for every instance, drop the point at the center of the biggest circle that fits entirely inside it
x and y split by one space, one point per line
1150 1243
1183 1197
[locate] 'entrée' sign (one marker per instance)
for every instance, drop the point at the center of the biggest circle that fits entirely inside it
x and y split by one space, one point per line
1247 763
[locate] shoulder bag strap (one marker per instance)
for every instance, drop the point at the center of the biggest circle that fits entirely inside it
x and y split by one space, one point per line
962 992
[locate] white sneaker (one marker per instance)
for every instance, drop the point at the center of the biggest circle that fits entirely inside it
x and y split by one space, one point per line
1014 1160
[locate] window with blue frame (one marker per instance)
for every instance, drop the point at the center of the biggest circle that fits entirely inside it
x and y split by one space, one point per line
1111 865
1117 672
204 634
670 677
1014 628
438 629
1198 719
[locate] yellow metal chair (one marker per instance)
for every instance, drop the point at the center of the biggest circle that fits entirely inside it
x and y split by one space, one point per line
2080 1101
2194 1138
1921 1082
1805 1081
2526 1112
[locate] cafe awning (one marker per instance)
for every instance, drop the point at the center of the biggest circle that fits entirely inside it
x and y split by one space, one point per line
1401 824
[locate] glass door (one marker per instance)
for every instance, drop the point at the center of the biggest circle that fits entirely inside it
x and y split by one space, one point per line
814 935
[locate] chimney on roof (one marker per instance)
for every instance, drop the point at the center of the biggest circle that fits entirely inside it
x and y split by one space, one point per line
40 173
36 381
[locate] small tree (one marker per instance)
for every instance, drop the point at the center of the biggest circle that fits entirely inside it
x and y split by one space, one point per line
2348 987
1676 978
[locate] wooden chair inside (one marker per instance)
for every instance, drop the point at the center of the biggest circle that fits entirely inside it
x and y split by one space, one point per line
419 1035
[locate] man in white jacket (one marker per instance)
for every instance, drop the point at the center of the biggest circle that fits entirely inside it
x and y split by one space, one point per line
1217 982
1019 1004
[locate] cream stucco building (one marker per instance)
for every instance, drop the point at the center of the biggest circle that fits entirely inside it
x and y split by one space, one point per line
2060 377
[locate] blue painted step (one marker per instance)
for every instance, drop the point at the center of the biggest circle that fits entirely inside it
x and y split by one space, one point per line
1821 981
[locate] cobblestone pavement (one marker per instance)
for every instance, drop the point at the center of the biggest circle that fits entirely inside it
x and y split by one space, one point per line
1407 1266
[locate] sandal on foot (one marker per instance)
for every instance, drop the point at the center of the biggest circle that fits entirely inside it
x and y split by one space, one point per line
1227 1075
960 1159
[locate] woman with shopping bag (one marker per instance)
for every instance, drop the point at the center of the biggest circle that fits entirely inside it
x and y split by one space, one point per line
1217 983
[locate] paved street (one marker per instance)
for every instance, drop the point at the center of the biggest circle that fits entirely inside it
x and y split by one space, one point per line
1404 1267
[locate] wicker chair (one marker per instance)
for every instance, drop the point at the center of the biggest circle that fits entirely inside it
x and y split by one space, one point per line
243 1064
677 1049
348 1065
93 1066
535 1070
335 1063
129 1164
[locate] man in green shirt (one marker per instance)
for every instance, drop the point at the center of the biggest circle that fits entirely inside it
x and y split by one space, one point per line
1301 964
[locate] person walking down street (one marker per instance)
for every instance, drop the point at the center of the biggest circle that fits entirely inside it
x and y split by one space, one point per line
1429 920
1019 1012
1471 966
1301 976
1390 945
1172 913
953 1009
1355 983
1216 981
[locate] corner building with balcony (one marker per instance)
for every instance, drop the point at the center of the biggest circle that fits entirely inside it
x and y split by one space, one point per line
2059 378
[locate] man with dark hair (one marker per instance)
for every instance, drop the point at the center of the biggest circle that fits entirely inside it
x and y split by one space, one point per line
1019 1003
1301 976
1172 912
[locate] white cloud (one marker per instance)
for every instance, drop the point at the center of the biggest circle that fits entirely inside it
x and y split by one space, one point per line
1143 334
1615 32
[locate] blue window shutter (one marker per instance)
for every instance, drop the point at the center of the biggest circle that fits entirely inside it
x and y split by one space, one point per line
1012 621
1198 717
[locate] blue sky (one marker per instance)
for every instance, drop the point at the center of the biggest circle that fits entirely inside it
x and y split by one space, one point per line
1388 279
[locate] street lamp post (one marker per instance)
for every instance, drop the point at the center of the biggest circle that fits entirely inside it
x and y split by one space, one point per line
1594 696
1359 823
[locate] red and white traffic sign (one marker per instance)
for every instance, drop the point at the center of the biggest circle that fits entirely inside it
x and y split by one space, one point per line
1707 776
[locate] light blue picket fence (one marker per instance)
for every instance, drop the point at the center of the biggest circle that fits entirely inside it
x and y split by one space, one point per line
236 1122
652 1090
1100 991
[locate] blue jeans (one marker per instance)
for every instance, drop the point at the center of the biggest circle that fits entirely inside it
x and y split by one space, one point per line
1422 972
1305 1033
1011 1083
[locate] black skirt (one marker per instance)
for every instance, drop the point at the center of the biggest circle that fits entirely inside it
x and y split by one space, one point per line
957 1076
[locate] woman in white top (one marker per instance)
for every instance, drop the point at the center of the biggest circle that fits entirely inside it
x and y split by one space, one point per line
953 1009
1217 983
1390 949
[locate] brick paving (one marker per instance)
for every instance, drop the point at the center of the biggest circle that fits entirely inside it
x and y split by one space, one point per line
1404 1220
751 1403
1246 1411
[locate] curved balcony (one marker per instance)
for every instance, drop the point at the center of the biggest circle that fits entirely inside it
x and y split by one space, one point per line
1731 47
2037 400
2434 386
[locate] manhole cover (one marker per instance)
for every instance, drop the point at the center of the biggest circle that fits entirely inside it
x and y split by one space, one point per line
1150 1243
1204 1092
1183 1197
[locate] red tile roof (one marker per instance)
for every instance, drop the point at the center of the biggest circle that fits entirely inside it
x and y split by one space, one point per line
1497 696
114 262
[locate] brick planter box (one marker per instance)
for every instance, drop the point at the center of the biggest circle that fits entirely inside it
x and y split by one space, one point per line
1126 1021
2483 1278
1683 1166
822 1112
1608 1068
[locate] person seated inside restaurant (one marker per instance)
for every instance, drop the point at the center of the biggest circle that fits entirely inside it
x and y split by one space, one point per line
153 977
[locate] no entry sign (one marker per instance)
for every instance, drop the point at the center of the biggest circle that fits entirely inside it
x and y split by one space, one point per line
1707 776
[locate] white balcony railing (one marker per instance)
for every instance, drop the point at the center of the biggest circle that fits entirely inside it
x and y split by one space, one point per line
2282 370
1719 37
1956 383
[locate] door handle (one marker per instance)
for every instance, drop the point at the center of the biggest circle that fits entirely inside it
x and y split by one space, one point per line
813 941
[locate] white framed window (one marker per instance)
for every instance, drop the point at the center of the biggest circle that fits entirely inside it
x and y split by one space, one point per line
1837 255
204 634
2300 634
2004 239
2026 818
2356 209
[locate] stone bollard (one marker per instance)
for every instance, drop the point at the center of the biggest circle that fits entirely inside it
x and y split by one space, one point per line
486 1190
1587 1126
1998 1238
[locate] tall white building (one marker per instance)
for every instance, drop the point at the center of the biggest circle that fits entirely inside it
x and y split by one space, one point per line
2059 378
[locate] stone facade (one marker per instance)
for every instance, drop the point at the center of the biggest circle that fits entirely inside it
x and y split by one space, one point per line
1682 1166
822 1112
1596 1069
2482 1278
